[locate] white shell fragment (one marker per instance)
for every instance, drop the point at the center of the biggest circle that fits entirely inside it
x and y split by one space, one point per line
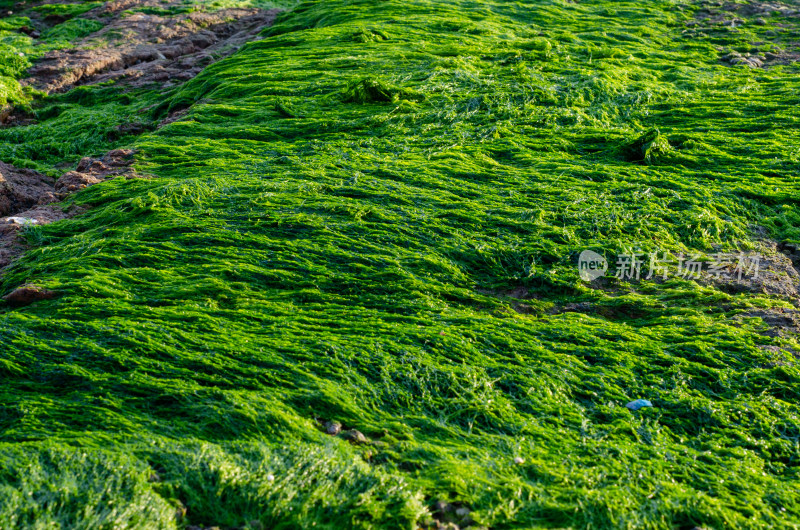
21 221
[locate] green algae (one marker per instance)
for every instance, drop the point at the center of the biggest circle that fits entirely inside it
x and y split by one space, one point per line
72 30
66 10
318 244
14 60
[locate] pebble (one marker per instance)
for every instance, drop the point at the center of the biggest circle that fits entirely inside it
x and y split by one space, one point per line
638 403
271 477
519 460
442 506
333 427
354 436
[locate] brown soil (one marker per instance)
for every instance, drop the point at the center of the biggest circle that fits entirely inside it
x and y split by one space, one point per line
781 322
777 275
142 49
716 15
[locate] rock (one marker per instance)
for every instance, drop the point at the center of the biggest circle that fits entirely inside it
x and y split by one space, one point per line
137 46
442 507
355 437
451 515
21 189
519 460
731 55
28 294
333 427
271 477
761 22
463 512
755 61
638 403
74 181
84 164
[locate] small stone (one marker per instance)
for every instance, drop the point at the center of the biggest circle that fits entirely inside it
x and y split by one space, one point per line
463 514
761 22
271 477
442 507
638 403
354 436
519 460
27 294
333 427
755 62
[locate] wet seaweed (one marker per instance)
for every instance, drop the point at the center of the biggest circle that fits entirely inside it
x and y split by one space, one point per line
384 233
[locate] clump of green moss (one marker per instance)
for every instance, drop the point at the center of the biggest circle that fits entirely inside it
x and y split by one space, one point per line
370 91
73 29
365 35
650 147
66 10
373 90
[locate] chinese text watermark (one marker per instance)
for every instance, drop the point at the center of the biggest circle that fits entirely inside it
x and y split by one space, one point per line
663 265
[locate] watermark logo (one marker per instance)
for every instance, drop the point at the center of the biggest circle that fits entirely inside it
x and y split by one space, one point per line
640 265
591 265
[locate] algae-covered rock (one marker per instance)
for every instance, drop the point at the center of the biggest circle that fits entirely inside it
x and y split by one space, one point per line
650 147
376 91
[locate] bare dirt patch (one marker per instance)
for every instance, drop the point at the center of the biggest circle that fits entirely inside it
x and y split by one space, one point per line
780 322
139 49
773 50
776 276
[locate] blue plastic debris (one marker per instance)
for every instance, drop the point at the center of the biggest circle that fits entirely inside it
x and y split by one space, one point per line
638 403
